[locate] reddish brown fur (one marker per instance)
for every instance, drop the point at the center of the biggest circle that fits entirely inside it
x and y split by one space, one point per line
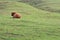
15 15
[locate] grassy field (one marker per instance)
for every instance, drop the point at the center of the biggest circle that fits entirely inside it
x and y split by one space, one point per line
54 4
35 24
47 5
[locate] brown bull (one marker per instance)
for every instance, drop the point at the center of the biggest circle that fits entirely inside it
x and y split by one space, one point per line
15 15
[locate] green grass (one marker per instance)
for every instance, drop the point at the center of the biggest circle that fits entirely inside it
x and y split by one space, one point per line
35 24
53 4
47 5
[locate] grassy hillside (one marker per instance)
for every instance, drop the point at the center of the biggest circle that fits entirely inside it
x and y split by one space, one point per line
34 25
53 5
47 5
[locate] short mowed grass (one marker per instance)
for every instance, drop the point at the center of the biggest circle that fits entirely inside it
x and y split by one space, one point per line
34 24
